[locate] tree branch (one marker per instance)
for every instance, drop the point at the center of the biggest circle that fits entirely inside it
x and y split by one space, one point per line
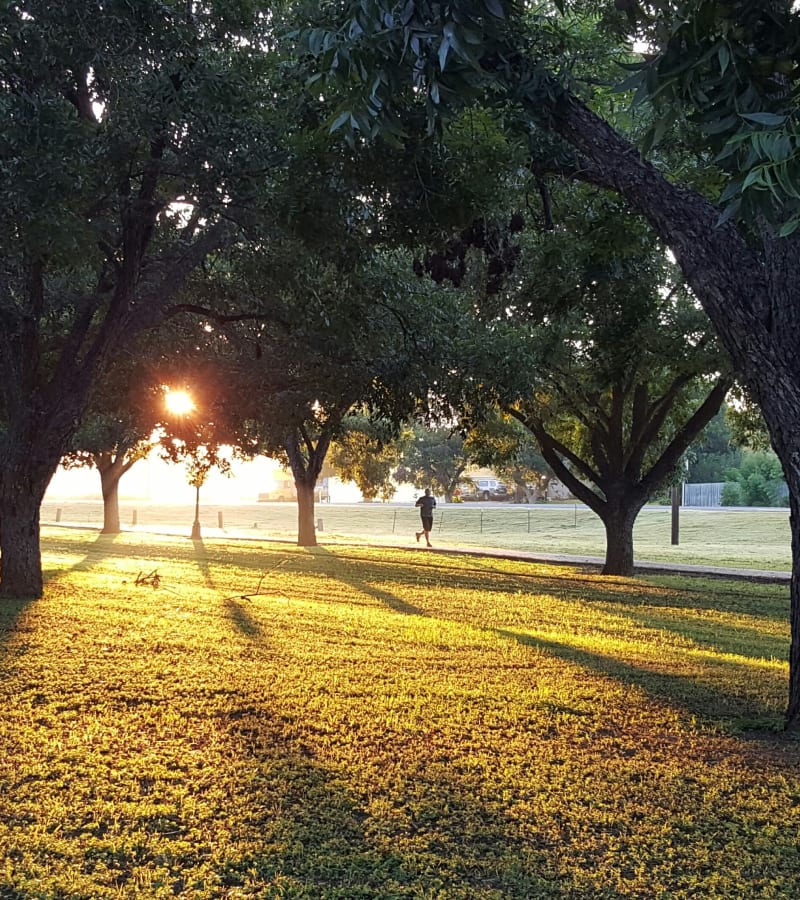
661 469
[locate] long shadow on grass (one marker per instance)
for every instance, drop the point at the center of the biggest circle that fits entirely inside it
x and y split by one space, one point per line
200 556
100 548
349 574
11 612
758 601
740 640
705 699
348 833
241 618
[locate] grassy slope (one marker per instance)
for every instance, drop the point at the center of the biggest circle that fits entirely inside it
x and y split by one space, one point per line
345 723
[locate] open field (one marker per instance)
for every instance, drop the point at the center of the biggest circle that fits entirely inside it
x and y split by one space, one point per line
746 538
266 721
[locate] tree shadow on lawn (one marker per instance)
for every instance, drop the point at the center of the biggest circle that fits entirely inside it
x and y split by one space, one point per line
11 614
245 623
304 826
350 575
634 599
101 548
200 557
640 601
735 695
711 634
575 583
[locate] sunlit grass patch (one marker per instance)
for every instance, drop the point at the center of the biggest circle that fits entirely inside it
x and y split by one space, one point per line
344 722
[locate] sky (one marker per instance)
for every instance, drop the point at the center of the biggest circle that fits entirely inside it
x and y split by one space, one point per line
156 481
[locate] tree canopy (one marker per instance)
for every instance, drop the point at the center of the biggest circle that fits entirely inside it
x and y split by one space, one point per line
743 269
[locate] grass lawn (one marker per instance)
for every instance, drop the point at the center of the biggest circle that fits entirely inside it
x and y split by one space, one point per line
273 722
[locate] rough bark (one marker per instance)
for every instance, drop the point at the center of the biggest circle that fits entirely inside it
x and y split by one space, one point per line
306 526
787 446
43 406
23 481
619 518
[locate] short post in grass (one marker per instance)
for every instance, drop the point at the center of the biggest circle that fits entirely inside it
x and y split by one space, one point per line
441 520
58 515
676 506
219 519
394 521
135 517
196 533
529 521
481 522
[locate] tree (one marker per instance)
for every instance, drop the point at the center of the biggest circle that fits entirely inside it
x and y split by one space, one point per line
434 458
724 71
611 367
113 447
200 451
135 137
321 341
501 443
366 452
117 430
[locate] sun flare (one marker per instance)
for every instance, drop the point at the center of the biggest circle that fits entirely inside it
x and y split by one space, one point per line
178 402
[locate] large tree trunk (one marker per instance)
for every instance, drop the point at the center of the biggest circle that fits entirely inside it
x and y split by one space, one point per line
783 419
306 527
306 459
112 465
23 483
619 520
110 475
793 709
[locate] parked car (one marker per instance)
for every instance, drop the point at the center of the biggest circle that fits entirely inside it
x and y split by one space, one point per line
485 489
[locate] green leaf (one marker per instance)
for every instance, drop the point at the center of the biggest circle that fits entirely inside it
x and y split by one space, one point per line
729 212
764 118
724 56
755 178
444 50
340 120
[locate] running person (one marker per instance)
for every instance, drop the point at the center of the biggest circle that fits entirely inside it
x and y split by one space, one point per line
426 505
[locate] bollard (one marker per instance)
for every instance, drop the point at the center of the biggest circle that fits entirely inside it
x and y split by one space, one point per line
319 525
134 517
58 515
529 521
255 524
219 519
394 521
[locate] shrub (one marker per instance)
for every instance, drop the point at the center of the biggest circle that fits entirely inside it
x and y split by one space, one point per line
731 494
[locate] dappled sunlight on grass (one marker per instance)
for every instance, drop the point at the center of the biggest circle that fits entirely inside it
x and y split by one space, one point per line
363 723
